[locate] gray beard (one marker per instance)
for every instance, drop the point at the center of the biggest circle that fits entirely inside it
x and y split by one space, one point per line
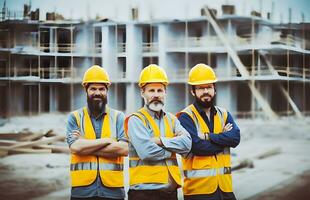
156 107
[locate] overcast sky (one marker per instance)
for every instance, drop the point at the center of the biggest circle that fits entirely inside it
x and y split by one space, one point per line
160 9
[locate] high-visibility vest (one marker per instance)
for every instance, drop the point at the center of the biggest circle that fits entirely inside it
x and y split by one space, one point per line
84 169
144 171
204 174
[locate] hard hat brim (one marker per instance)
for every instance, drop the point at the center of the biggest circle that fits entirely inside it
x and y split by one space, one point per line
103 82
202 82
142 84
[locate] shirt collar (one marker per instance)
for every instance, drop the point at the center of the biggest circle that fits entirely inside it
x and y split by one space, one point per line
154 114
202 112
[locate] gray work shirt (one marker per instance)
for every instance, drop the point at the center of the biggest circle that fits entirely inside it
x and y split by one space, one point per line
140 139
96 188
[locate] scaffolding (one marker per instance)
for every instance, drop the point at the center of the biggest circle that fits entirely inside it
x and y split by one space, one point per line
263 67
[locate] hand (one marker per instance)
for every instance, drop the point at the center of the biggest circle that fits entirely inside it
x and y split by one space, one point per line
180 133
76 134
157 141
201 135
227 127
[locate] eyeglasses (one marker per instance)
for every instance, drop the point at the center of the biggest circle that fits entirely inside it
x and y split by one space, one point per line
208 88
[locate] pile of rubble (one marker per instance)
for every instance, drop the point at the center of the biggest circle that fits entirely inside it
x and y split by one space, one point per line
27 141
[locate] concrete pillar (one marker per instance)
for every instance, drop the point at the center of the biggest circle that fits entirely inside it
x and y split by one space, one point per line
224 68
133 98
133 52
162 42
226 96
133 66
266 90
53 99
79 96
109 49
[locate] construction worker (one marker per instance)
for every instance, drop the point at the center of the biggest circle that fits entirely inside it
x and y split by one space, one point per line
155 137
95 134
207 171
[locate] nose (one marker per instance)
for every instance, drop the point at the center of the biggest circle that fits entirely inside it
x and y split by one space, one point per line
97 91
156 94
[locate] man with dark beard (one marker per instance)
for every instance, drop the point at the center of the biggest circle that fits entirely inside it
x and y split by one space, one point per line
155 138
207 171
97 142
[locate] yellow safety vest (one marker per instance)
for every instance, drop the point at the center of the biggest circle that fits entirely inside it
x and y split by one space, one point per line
204 174
142 171
84 169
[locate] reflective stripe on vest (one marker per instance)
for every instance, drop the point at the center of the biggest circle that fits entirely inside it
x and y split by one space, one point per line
169 161
94 166
153 171
204 174
84 169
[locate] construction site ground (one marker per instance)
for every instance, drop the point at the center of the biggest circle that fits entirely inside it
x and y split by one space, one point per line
273 161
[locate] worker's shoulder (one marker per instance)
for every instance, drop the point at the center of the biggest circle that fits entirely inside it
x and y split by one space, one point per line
118 112
171 116
113 109
75 113
221 109
135 119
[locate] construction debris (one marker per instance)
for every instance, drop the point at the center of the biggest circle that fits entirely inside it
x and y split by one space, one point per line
269 153
246 163
30 142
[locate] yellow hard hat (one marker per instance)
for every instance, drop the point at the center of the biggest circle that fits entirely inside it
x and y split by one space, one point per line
201 74
153 74
96 74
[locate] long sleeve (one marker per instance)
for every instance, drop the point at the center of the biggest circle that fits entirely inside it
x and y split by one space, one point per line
179 144
199 147
140 138
120 128
230 138
70 127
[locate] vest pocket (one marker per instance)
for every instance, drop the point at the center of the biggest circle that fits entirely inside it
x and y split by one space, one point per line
202 162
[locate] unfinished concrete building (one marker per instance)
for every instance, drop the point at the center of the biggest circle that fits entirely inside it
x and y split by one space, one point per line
263 67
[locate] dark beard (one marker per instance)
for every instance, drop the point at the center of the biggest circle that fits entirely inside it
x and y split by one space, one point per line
96 106
205 104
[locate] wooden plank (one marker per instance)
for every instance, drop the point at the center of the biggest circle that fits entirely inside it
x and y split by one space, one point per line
50 133
28 150
39 142
269 153
3 153
243 164
291 102
13 136
7 142
34 143
32 137
54 148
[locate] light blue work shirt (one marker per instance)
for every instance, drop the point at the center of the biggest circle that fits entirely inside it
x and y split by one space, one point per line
97 188
140 139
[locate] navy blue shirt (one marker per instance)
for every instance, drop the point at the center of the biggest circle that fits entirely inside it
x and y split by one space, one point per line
217 142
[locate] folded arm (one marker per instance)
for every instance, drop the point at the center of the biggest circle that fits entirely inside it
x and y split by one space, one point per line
181 143
142 142
228 138
200 147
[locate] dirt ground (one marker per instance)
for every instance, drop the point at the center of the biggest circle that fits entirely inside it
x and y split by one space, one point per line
298 188
282 175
